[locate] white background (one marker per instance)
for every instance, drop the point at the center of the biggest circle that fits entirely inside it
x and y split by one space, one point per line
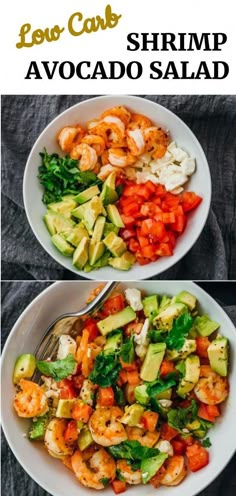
147 16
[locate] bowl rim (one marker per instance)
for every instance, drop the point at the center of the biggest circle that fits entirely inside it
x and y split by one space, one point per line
42 294
94 274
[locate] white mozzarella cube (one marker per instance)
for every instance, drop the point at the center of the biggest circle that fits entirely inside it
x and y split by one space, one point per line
133 297
188 166
67 346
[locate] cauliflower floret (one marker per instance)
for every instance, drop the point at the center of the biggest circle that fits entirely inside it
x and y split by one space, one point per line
141 340
188 166
133 297
143 177
175 181
165 447
67 346
179 154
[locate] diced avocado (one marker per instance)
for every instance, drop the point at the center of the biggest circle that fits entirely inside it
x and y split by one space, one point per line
116 320
108 228
76 234
150 306
152 361
89 211
111 181
85 439
165 395
132 415
164 320
102 262
63 207
79 424
192 372
62 245
38 427
57 223
205 326
24 367
98 229
115 244
114 342
80 256
114 216
79 212
218 354
194 426
186 298
96 250
86 195
64 408
141 395
122 263
188 347
108 195
164 302
150 466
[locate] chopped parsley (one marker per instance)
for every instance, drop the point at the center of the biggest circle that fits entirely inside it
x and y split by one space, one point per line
179 331
106 369
105 481
179 417
206 443
156 387
60 369
127 351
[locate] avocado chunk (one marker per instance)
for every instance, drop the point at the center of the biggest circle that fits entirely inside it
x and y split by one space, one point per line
76 234
186 298
150 306
141 395
164 302
96 250
114 216
152 361
132 415
101 262
63 207
98 229
57 223
62 245
165 319
24 367
38 427
205 326
122 263
190 379
188 347
108 228
108 195
111 181
218 354
115 244
116 320
86 195
80 256
114 341
85 439
64 408
150 466
89 211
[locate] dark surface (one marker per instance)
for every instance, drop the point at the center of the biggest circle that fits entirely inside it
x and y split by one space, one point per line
15 297
211 118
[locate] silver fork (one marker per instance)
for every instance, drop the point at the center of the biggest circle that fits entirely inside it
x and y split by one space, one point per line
64 325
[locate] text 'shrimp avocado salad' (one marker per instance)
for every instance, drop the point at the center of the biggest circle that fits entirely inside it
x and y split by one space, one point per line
133 398
117 196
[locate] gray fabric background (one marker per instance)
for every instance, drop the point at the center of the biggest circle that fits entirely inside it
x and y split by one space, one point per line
211 118
15 297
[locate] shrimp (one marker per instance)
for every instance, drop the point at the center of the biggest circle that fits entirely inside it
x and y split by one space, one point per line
130 476
119 158
87 156
144 437
31 401
115 129
211 388
106 170
135 141
54 439
105 427
156 141
175 471
139 121
96 142
121 112
91 471
70 136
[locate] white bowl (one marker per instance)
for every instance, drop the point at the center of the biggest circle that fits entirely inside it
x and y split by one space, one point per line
82 112
51 473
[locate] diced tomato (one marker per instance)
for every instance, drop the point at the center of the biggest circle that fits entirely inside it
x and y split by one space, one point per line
170 201
197 456
151 186
134 245
178 446
164 250
113 305
157 478
128 220
180 223
160 190
149 420
146 227
149 251
202 345
133 377
78 381
127 233
148 209
71 433
168 217
81 411
143 241
123 377
208 412
167 432
133 327
128 366
142 260
118 486
172 238
67 390
187 440
132 208
213 410
105 397
166 367
190 201
92 328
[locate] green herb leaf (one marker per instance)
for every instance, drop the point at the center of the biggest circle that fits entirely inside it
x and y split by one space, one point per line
179 417
119 476
156 336
60 369
106 369
119 395
179 331
206 443
132 450
160 385
127 351
105 481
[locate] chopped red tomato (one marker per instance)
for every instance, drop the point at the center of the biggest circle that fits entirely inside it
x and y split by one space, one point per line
190 201
118 486
149 420
166 367
202 345
197 456
105 397
208 412
178 446
167 432
71 433
92 328
78 381
67 390
81 411
113 305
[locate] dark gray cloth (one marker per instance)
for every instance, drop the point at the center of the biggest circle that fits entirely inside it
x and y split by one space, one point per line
15 297
211 118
